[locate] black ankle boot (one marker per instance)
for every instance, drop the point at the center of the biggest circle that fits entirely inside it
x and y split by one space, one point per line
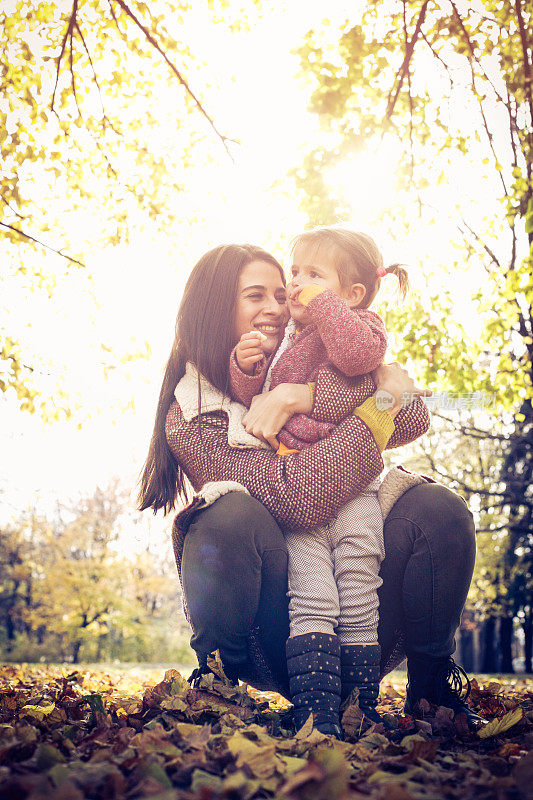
232 672
360 670
442 682
313 663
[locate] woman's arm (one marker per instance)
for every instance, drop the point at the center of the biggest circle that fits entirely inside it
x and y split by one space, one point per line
410 423
300 491
305 489
336 396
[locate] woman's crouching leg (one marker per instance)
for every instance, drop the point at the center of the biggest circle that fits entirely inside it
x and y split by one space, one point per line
234 571
430 549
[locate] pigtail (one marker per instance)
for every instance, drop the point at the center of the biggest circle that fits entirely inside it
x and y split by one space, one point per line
403 278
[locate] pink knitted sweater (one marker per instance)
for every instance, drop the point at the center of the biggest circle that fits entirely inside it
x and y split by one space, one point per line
309 488
353 341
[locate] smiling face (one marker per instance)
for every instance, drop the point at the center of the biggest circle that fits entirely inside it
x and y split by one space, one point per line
261 304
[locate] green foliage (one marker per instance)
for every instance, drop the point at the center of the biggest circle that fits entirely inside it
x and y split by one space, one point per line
368 81
89 152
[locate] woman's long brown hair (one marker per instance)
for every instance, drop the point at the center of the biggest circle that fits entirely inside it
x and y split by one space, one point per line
204 336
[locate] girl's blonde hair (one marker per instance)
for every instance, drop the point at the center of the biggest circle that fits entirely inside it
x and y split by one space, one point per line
356 257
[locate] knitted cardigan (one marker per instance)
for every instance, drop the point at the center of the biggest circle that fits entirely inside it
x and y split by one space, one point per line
302 491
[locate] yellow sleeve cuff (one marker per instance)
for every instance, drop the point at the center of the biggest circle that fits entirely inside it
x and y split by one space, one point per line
312 387
309 293
380 422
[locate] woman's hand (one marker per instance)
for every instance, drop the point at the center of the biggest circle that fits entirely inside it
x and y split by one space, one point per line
269 411
395 389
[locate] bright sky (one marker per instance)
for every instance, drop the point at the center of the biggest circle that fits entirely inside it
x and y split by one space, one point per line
138 288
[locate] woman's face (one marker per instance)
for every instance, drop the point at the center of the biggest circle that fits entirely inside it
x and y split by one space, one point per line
261 304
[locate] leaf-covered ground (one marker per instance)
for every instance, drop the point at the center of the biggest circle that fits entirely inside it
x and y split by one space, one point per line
70 735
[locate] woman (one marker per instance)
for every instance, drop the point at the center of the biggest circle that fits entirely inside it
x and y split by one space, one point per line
233 559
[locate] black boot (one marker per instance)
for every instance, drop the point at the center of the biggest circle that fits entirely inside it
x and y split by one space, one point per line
313 662
360 670
442 682
232 672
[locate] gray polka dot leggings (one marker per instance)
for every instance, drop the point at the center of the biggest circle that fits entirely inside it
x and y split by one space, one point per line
334 573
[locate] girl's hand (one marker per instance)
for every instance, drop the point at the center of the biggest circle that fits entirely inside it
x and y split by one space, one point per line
270 411
249 351
395 389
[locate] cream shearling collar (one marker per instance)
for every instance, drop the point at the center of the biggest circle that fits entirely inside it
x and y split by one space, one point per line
186 393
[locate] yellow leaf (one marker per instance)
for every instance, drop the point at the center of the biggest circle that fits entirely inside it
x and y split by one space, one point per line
37 712
497 726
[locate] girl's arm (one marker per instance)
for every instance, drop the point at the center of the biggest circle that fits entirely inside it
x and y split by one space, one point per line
355 339
244 387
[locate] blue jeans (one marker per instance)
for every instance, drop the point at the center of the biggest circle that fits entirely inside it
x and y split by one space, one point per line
234 573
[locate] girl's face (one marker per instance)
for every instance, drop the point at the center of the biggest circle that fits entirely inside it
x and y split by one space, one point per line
261 304
310 265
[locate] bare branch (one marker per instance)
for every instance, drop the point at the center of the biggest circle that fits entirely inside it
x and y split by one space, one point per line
177 73
475 93
406 61
13 210
437 56
42 244
72 76
480 241
105 118
409 90
473 52
68 33
471 430
117 25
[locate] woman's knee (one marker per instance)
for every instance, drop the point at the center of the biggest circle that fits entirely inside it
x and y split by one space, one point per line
441 514
239 522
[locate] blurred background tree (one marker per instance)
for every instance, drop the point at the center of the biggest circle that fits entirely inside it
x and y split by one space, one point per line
74 588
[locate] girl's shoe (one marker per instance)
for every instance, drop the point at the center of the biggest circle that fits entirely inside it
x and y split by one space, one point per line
313 662
360 670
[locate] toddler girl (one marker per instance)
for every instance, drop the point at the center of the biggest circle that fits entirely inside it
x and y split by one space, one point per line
333 570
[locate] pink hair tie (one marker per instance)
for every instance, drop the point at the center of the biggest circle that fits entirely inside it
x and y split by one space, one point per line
381 271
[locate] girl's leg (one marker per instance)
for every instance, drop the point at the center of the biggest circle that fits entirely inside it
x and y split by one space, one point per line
313 656
430 550
358 537
234 572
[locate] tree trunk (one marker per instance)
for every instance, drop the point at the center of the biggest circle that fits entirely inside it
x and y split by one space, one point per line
76 651
506 640
488 649
528 643
467 649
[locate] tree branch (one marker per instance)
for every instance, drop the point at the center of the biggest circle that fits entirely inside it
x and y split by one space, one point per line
41 244
475 92
177 73
105 118
467 429
68 33
13 210
525 52
406 61
480 241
